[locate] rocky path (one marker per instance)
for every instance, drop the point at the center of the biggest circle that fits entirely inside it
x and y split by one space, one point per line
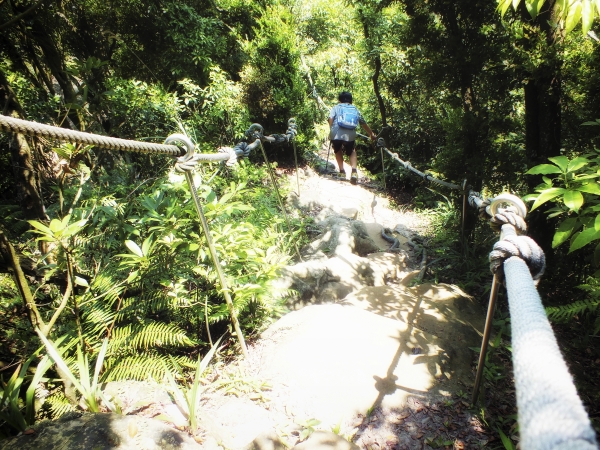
366 354
367 358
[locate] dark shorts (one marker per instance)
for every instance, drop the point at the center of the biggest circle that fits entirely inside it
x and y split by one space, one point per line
339 145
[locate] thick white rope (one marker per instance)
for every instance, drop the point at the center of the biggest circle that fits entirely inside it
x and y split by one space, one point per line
551 414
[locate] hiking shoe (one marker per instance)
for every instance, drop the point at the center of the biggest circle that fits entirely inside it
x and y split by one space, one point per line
341 175
354 178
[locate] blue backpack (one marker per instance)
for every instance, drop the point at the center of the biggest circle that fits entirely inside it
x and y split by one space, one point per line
347 117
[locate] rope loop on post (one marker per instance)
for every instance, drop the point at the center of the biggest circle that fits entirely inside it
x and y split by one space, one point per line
256 131
187 162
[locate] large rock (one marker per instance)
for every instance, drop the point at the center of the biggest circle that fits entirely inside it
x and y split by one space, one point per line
102 431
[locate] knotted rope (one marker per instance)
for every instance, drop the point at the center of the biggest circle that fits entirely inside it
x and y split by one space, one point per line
522 247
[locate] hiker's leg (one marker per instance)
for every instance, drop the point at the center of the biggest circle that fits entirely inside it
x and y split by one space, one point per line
351 152
339 157
353 160
339 153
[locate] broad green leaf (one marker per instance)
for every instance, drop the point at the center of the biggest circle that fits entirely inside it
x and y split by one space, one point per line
211 197
564 231
573 200
81 281
591 188
562 5
193 246
74 228
597 223
560 161
146 246
533 7
577 163
597 4
503 6
547 195
543 169
40 226
587 16
134 248
584 238
506 442
595 122
515 4
573 16
56 225
133 276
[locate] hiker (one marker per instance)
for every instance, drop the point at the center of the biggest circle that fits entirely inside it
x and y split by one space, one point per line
343 120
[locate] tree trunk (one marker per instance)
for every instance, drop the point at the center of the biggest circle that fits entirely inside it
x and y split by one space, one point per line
543 121
380 101
26 183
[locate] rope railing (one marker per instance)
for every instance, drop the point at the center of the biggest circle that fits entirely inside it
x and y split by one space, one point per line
186 162
550 413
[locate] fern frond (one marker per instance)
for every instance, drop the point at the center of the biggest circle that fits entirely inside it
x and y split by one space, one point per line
144 366
58 404
151 334
565 313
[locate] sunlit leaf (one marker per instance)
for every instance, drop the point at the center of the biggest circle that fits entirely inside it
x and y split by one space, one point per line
560 161
573 16
577 163
564 231
503 6
584 238
533 7
587 16
543 169
81 281
591 188
547 195
56 225
573 200
134 248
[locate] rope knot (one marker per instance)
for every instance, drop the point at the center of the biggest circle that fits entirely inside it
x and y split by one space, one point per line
523 247
232 155
186 164
510 216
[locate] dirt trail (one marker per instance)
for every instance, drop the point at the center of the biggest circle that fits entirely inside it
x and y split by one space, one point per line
383 364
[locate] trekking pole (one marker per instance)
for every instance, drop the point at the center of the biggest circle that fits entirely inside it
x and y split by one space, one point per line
383 168
327 162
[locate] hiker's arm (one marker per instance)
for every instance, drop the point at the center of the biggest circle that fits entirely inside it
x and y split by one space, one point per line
369 131
330 121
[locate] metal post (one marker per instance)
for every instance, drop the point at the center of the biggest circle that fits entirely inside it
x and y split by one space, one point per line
213 251
464 210
296 161
486 336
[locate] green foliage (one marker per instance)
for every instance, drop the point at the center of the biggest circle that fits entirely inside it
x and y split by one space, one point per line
570 184
188 398
570 12
90 390
11 403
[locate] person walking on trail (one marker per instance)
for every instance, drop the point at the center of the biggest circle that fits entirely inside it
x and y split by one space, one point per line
343 120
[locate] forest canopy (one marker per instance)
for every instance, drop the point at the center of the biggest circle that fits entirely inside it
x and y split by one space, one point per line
502 95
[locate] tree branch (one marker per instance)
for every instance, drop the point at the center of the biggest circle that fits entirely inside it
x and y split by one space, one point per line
20 16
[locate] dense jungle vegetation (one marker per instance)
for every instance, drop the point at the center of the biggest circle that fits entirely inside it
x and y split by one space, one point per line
113 264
